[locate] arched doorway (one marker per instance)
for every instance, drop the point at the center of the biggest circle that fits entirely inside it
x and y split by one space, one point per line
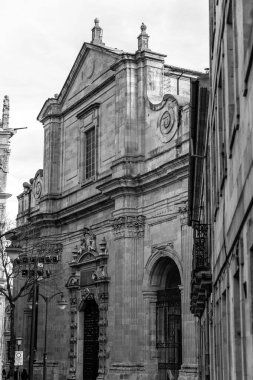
90 340
168 320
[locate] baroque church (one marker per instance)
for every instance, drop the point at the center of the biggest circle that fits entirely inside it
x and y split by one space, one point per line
112 196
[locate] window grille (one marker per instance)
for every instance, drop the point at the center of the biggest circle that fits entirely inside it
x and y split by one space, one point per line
90 154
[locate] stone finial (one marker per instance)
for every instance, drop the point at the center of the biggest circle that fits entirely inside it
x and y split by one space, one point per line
143 27
143 38
97 33
5 117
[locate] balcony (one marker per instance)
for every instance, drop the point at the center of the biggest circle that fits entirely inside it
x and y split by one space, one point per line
201 280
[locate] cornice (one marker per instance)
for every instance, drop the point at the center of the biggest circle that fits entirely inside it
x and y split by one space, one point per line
71 213
5 195
77 104
111 188
148 54
87 110
169 172
127 159
8 132
165 173
126 185
183 70
135 58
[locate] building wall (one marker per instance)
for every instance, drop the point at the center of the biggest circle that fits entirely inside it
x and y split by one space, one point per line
122 229
226 321
232 204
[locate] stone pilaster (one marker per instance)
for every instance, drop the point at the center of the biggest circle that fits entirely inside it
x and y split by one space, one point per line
50 117
150 353
128 334
51 157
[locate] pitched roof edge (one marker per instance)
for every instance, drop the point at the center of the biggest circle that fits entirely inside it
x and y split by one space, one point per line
83 51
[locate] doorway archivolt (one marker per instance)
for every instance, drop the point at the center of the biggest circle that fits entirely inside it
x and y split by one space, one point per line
157 267
163 284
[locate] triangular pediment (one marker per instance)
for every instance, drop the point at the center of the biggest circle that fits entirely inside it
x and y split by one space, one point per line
91 68
91 64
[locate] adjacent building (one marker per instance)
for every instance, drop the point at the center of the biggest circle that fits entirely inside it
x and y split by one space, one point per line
221 196
113 197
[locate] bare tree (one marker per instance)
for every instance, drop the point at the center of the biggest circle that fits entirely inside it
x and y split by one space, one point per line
33 264
12 270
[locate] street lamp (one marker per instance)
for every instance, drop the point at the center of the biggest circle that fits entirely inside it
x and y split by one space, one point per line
14 249
13 252
62 303
19 342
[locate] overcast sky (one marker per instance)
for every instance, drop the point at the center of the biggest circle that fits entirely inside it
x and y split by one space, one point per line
40 39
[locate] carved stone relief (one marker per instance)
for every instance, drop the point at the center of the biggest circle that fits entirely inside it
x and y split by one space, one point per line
162 247
87 249
183 212
4 162
128 226
88 242
168 121
36 183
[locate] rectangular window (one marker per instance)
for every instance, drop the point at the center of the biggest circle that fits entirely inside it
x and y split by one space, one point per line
224 336
221 134
90 153
214 169
251 287
217 341
230 82
247 22
237 327
212 23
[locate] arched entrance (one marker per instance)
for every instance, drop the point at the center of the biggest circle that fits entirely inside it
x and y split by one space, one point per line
90 340
168 319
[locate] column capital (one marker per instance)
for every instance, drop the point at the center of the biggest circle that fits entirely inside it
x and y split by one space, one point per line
150 295
128 226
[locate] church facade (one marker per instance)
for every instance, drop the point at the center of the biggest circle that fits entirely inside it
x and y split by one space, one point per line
113 195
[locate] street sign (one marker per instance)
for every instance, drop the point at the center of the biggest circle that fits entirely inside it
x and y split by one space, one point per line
18 358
